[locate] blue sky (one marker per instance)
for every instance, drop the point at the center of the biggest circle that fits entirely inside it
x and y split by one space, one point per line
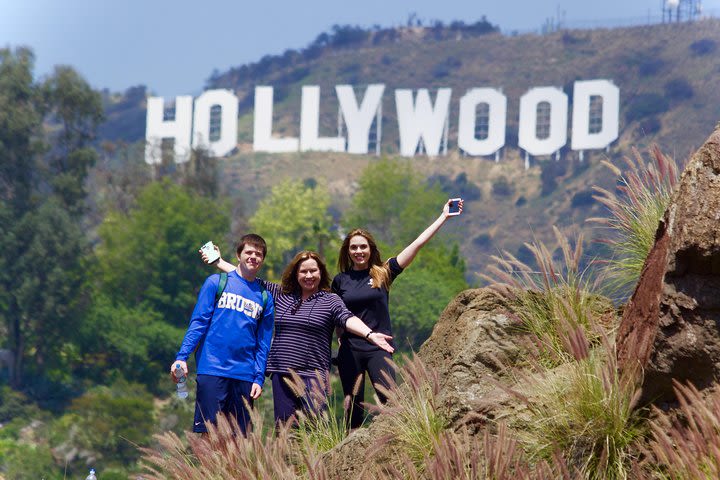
173 46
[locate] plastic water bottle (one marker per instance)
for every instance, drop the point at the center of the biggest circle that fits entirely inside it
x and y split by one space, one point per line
91 475
182 390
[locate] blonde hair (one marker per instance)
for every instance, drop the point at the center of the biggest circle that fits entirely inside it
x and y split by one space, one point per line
379 271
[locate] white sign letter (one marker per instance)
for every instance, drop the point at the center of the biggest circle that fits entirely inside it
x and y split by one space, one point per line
227 139
263 140
158 128
557 134
421 120
310 124
582 138
359 120
497 117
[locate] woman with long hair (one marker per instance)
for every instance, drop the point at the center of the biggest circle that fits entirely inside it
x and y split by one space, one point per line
306 313
363 284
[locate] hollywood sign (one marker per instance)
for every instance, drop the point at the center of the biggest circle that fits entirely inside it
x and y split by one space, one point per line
210 121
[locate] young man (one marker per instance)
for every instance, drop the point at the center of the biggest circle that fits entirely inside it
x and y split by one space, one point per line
232 339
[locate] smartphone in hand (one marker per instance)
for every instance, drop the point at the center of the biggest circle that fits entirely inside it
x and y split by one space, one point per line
209 250
454 206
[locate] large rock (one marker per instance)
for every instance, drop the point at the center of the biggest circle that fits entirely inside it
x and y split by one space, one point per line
671 327
472 342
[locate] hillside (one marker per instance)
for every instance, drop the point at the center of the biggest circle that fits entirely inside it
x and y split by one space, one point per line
667 75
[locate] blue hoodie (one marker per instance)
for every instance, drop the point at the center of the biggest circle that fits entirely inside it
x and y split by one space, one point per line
234 336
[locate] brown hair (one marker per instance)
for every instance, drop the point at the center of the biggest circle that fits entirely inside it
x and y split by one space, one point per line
252 239
379 271
289 282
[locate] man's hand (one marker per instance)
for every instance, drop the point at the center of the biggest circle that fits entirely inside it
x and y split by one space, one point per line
204 256
182 364
255 391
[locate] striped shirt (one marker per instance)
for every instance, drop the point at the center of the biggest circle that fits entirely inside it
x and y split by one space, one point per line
303 331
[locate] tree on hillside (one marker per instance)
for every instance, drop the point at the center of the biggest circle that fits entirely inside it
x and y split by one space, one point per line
393 202
42 176
148 257
294 217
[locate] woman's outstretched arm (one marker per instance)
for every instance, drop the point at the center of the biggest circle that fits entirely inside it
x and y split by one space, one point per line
408 254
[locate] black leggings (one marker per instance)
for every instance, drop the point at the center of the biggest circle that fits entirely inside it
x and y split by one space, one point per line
353 364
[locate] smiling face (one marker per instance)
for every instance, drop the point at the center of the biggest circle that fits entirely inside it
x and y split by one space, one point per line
308 277
359 251
250 260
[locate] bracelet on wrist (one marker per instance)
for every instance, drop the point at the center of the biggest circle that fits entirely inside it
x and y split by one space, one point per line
367 335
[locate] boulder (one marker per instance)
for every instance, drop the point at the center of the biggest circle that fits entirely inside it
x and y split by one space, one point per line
472 342
670 328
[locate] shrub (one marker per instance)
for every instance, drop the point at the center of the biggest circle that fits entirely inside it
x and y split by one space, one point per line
687 446
645 105
502 187
635 209
569 38
588 413
347 35
465 188
460 187
106 422
649 65
705 46
582 199
649 126
550 170
482 240
679 89
414 418
293 76
551 297
446 67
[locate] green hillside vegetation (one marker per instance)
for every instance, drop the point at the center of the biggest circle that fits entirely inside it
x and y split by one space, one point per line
667 74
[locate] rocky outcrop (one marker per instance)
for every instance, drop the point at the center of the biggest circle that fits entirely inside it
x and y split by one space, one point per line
671 327
472 344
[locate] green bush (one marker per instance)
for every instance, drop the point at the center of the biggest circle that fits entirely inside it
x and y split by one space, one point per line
649 126
645 105
107 423
483 240
31 462
502 187
582 199
702 47
649 66
679 89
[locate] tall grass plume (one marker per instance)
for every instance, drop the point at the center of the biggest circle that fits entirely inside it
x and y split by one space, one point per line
635 209
555 290
686 444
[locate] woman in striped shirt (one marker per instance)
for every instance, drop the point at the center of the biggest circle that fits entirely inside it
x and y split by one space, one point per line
306 314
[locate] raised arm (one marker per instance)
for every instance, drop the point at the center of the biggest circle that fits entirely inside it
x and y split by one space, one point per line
408 254
220 263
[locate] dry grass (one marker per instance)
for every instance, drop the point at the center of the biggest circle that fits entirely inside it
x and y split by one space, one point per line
414 418
223 454
588 413
687 446
635 210
555 301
